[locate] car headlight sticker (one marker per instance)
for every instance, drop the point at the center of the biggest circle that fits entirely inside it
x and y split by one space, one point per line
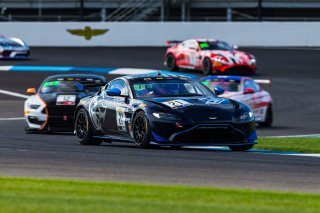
166 116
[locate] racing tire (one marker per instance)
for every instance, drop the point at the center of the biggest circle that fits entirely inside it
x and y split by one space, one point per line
83 129
269 118
207 66
141 130
239 148
171 62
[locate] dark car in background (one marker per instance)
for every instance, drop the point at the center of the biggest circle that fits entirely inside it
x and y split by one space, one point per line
52 107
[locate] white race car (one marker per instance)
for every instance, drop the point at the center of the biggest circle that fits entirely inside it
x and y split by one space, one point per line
246 90
13 48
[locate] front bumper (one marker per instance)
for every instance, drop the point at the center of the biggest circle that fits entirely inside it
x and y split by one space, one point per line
215 134
236 68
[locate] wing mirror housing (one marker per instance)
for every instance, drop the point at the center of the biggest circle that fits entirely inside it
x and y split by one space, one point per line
218 90
249 91
114 92
31 91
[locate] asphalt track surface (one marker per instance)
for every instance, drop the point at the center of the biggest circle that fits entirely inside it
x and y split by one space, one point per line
295 90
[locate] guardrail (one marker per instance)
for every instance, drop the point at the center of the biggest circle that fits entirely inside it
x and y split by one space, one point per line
157 33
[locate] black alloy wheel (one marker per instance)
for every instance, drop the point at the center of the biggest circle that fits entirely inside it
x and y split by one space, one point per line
83 129
141 131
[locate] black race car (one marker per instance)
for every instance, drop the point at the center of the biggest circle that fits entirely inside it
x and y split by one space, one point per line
52 107
165 110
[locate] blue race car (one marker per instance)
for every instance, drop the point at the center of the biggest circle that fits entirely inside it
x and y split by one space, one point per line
165 110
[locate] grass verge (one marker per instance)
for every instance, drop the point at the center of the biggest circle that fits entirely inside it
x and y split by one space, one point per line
305 145
49 195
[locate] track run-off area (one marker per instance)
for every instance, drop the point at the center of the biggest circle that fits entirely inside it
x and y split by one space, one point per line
295 88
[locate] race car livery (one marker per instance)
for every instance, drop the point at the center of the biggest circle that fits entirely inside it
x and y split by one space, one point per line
246 90
52 107
209 56
13 48
166 110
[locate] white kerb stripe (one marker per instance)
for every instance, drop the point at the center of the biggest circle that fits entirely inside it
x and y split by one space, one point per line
5 68
12 119
13 94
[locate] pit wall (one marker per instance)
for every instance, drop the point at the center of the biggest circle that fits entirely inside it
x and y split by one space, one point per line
264 34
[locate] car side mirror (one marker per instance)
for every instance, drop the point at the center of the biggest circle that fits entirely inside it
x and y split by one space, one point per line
235 47
249 91
218 90
114 92
31 91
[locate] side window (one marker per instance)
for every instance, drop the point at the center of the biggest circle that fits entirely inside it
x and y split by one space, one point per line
119 84
251 84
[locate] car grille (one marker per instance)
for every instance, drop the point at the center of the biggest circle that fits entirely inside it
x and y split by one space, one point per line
209 135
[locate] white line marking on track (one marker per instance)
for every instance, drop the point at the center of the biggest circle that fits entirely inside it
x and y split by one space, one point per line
12 119
295 136
6 92
5 68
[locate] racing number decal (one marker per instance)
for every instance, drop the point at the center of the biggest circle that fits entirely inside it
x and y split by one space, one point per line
121 119
176 103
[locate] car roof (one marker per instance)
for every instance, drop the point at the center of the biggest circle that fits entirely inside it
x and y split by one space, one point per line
156 76
225 77
54 77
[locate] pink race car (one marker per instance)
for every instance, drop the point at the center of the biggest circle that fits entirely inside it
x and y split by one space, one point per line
245 90
210 56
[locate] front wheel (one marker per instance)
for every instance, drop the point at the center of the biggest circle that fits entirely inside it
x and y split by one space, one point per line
240 147
83 129
141 130
269 118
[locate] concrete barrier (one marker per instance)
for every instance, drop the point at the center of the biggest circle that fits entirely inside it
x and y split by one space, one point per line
279 34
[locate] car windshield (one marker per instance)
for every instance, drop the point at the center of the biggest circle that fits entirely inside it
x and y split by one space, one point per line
70 86
215 45
10 43
168 88
226 84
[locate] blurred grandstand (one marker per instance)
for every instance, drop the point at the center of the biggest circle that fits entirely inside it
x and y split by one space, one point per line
159 10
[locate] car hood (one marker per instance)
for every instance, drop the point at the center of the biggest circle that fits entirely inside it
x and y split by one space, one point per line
199 109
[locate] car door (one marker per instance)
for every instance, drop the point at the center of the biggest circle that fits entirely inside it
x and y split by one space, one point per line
191 54
118 112
254 97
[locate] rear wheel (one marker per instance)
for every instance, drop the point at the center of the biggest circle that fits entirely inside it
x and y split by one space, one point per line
171 62
240 147
83 129
141 130
207 66
269 118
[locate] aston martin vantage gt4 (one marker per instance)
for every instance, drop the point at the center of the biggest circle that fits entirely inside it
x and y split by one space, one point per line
165 110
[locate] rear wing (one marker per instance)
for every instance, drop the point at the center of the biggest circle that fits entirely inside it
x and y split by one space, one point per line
173 42
265 82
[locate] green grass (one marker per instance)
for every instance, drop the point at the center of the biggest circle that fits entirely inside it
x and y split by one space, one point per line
49 195
306 145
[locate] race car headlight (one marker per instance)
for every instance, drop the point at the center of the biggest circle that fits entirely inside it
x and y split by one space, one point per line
33 106
166 116
33 103
245 117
